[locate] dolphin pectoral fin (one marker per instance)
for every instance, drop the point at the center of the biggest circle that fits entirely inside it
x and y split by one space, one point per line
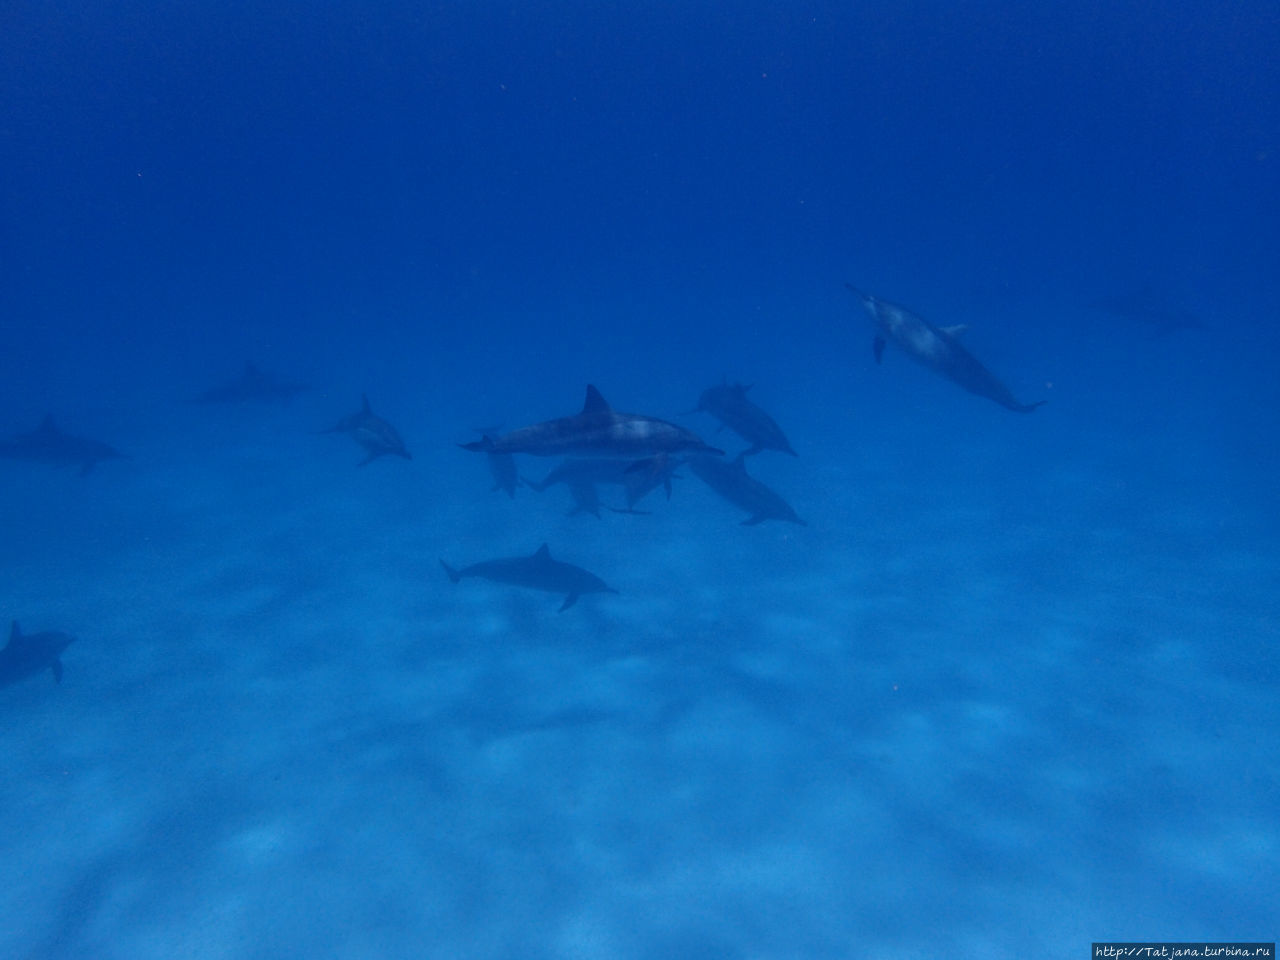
1028 407
955 330
454 576
57 670
877 347
752 521
569 601
368 460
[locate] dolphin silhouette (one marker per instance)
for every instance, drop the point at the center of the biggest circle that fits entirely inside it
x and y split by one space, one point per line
937 348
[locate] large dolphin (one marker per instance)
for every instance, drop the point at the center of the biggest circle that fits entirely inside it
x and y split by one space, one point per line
538 572
937 348
730 404
366 428
598 431
47 444
252 385
734 484
25 655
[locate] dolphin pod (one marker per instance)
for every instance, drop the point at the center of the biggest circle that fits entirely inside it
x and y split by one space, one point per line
597 445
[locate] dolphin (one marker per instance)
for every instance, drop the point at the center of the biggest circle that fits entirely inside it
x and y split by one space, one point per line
729 404
366 428
538 572
937 348
506 477
502 466
734 484
582 475
47 444
598 431
1147 309
25 655
254 385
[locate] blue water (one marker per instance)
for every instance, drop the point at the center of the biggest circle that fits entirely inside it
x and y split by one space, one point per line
1012 690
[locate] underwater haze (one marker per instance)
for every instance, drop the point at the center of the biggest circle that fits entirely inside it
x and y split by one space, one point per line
299 306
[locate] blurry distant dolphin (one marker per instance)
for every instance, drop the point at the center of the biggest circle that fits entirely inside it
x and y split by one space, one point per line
937 348
48 444
581 476
1146 309
729 404
378 437
538 572
254 385
502 466
732 482
27 654
598 431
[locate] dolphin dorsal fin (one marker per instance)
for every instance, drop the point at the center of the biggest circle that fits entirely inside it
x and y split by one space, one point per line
15 633
595 403
955 329
543 553
364 403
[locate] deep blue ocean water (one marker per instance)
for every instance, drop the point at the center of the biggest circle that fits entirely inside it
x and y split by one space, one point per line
1011 690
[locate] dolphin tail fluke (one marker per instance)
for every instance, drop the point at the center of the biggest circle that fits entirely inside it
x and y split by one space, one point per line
454 575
